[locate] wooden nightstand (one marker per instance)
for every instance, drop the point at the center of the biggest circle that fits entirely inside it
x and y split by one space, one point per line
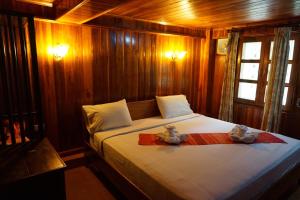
38 174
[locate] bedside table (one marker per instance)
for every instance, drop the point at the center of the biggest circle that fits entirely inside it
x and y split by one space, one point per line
38 174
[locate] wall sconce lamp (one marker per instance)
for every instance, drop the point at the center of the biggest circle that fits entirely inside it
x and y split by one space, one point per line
173 55
59 51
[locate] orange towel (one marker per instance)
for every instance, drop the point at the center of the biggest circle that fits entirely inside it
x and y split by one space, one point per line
206 139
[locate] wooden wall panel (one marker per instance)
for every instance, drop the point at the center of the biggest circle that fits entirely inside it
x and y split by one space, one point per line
106 64
47 74
290 124
247 114
218 76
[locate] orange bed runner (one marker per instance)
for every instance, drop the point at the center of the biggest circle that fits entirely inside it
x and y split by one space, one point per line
206 139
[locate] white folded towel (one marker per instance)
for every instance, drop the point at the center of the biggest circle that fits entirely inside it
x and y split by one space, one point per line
241 133
171 135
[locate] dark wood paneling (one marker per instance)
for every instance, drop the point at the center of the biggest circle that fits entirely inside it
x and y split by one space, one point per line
218 76
290 124
19 110
106 64
143 109
249 115
26 8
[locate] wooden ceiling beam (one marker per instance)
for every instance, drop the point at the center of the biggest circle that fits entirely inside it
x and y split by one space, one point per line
88 10
70 10
144 26
64 6
12 6
38 2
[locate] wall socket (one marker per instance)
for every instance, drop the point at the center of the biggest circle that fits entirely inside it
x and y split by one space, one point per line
298 102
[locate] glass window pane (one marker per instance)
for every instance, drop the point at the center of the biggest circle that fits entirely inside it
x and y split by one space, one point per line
285 93
288 73
249 71
247 91
251 50
291 52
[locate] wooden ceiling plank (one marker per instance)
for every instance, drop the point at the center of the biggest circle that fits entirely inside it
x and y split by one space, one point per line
192 13
211 11
144 26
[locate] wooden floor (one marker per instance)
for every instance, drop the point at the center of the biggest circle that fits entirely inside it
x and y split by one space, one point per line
82 184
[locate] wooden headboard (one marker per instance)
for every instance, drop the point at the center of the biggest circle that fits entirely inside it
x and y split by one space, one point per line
137 109
143 109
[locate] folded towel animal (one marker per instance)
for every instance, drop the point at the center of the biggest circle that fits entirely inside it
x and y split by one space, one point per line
171 135
241 133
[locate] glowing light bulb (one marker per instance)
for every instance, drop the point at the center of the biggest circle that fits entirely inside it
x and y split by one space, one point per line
59 51
175 54
170 54
181 54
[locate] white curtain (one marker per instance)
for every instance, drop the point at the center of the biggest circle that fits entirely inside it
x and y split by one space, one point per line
226 106
276 81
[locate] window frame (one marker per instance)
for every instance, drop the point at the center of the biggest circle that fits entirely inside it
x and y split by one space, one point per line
263 71
291 85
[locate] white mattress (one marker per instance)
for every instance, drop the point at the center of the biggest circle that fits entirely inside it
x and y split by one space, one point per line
222 171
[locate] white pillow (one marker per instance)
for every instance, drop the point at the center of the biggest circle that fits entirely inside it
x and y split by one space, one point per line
106 116
173 106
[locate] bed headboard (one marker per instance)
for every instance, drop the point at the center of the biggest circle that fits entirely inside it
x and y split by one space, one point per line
137 109
143 109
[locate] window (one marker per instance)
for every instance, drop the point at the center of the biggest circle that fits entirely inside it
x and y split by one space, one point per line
253 71
289 69
249 70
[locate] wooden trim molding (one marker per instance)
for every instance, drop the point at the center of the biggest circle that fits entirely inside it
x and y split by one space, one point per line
220 33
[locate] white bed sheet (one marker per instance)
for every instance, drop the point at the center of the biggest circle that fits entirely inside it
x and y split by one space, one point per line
222 171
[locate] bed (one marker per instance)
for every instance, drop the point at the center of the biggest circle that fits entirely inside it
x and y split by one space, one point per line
238 171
